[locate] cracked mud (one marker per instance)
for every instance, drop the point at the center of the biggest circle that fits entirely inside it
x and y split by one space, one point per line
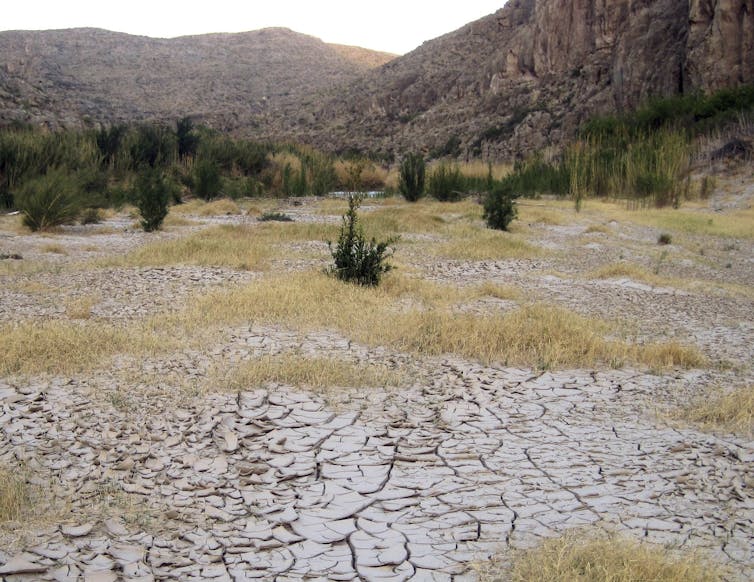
281 483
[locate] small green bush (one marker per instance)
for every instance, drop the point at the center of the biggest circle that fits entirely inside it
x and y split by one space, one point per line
500 208
446 183
357 259
207 181
664 239
49 201
412 177
274 216
151 194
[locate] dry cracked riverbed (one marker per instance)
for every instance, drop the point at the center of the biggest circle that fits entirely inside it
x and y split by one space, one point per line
139 479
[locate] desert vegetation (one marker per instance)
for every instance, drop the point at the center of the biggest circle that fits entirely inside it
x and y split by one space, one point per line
468 332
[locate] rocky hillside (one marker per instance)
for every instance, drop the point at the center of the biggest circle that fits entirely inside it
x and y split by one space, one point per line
515 81
526 76
70 77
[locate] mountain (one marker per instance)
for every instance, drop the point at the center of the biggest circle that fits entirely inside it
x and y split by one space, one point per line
230 81
526 76
516 81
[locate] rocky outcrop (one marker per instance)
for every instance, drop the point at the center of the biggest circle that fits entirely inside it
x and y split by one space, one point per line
526 76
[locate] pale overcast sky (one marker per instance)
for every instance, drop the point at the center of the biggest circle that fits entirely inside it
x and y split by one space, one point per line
396 26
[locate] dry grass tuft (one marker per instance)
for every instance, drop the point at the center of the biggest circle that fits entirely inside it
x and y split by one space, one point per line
81 307
629 271
581 557
496 291
719 410
66 347
196 207
242 247
15 498
312 372
54 248
598 229
539 336
472 243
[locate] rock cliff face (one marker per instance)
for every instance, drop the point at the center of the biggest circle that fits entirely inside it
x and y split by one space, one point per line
526 76
520 79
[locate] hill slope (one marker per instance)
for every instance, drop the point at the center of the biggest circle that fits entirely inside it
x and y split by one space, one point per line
527 75
226 80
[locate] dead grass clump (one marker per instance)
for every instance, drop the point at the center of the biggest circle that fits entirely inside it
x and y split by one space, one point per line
54 248
219 207
470 243
65 347
598 229
582 558
539 336
497 291
15 498
628 271
551 215
720 410
659 356
312 372
81 307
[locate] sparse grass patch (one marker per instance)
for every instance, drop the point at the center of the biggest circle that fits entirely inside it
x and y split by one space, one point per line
598 229
222 246
553 213
177 220
580 557
468 242
64 347
691 219
54 248
15 496
539 336
317 373
197 207
723 410
496 291
627 270
80 307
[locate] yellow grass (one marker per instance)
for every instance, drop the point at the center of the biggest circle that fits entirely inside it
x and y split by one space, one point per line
196 207
176 220
550 213
533 335
496 291
598 229
81 307
311 372
243 247
628 271
579 557
15 499
692 219
723 410
475 243
480 169
54 248
64 347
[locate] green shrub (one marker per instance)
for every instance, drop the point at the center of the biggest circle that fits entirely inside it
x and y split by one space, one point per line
500 207
664 239
446 183
207 182
275 217
357 259
151 193
412 176
49 201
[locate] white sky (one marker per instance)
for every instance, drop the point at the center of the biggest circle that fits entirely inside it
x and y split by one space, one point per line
396 26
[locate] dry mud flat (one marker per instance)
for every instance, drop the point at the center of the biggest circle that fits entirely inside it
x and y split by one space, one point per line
275 482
